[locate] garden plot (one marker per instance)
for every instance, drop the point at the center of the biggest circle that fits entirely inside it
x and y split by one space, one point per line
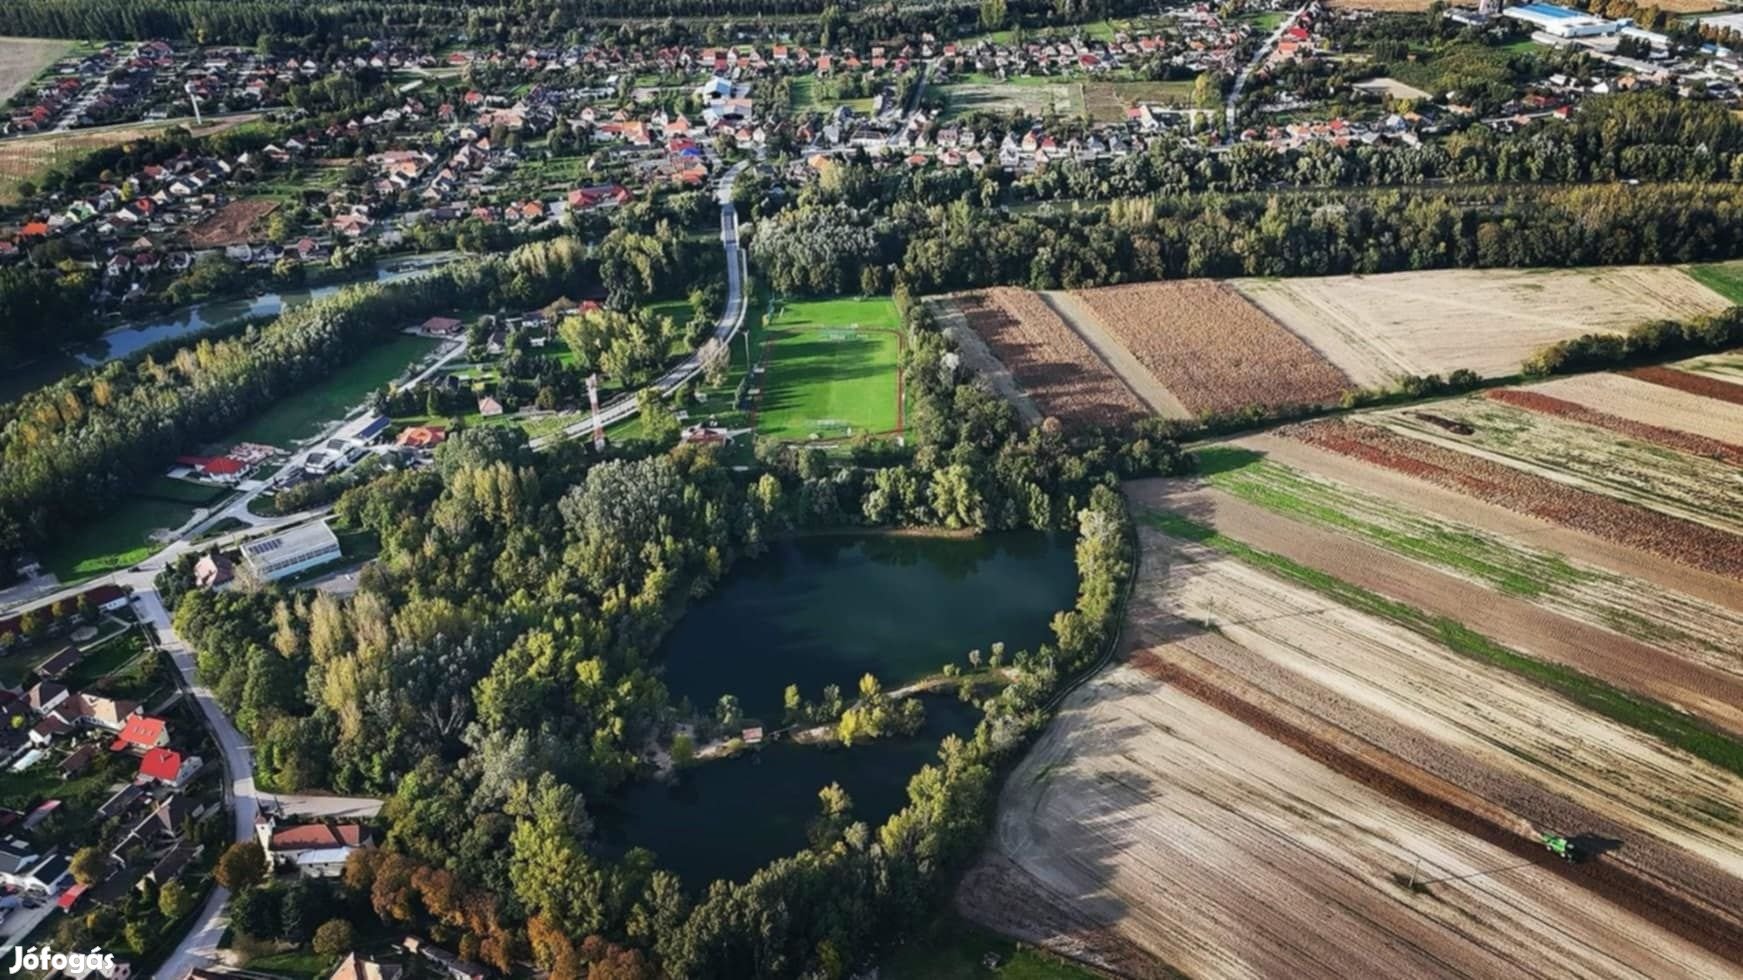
1051 362
1672 482
1522 749
1642 401
1379 327
1211 349
1695 631
1145 815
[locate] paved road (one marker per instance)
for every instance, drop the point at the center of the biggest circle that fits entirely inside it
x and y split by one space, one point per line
731 319
200 945
1258 59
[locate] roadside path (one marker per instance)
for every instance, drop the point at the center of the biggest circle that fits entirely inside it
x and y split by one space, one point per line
1253 65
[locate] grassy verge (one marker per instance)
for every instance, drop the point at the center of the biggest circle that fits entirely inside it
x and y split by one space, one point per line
1643 714
115 540
1724 278
303 414
958 950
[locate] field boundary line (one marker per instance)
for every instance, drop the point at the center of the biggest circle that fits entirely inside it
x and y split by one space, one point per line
1123 363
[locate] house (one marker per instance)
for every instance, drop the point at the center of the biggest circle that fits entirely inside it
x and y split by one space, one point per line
77 760
441 326
316 849
212 571
168 766
170 866
291 551
489 407
421 437
56 667
141 732
355 967
107 598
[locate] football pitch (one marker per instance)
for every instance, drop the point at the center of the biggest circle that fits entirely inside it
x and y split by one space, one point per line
830 370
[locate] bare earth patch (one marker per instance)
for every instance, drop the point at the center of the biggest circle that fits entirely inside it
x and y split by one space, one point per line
1223 852
1050 361
1211 348
1377 328
232 224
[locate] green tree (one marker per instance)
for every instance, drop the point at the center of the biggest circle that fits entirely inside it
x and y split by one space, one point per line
992 14
174 900
89 865
335 938
242 865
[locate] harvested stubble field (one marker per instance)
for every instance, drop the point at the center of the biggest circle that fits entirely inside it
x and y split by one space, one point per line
23 58
1696 545
29 157
1657 405
1213 350
1047 358
1648 474
1622 627
1148 818
1377 328
1727 366
232 224
1547 404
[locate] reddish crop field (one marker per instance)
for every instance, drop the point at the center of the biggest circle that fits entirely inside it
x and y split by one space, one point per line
1682 541
1694 384
1687 442
1048 359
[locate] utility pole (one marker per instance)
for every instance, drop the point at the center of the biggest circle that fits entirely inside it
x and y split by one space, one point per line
593 400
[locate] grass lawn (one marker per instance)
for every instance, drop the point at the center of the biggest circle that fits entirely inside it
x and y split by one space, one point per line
299 964
1724 278
176 491
105 658
304 414
831 369
115 540
956 952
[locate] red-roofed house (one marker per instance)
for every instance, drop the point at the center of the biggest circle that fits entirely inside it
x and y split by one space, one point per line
168 766
141 732
316 849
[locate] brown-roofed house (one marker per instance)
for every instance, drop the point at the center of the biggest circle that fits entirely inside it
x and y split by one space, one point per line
64 660
356 967
212 571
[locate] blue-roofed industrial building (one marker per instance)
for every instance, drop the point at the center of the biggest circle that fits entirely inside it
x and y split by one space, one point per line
1563 22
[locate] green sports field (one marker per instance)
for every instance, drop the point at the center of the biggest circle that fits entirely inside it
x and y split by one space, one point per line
831 369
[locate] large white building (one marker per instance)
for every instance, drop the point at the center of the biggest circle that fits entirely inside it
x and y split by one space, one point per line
1562 22
292 551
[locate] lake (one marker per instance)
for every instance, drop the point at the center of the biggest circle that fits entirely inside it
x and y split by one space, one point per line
727 818
826 610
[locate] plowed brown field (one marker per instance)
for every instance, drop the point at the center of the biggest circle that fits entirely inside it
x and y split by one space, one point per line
1147 819
1694 384
232 224
1213 350
1047 358
1537 401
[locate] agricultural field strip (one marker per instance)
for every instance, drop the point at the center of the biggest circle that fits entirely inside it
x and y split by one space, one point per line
1585 457
1227 853
979 358
1496 518
1074 314
1726 367
1047 358
1701 385
1642 401
1480 712
1697 631
1486 320
1656 435
1212 348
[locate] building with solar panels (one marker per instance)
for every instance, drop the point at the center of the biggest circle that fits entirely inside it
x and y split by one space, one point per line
290 552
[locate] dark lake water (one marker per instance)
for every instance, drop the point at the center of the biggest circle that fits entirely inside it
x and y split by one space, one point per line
725 819
823 610
826 610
